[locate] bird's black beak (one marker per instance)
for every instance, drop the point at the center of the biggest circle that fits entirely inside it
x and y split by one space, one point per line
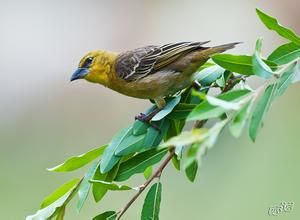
79 74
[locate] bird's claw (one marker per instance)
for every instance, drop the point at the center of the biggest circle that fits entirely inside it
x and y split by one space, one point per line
147 119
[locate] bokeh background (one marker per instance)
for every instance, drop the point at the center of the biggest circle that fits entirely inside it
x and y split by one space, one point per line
44 119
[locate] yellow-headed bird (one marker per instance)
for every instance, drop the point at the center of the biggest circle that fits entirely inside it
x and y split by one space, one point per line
151 72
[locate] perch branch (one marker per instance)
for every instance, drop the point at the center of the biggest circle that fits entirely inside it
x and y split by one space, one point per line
156 174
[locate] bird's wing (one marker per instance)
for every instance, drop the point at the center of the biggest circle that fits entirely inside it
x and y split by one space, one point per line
138 63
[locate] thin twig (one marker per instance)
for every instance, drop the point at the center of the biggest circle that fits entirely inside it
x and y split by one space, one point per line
157 174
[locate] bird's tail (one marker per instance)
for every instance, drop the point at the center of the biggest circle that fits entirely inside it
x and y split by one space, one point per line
221 48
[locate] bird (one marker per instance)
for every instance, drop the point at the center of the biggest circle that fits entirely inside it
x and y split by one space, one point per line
151 72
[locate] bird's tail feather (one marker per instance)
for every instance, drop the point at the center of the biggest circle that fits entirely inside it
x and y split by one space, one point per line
222 48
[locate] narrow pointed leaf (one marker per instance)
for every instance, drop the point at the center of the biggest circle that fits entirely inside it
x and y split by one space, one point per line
61 213
55 201
109 215
206 111
48 211
285 54
111 186
139 127
235 63
272 24
239 121
148 172
238 63
131 144
286 79
297 75
85 185
186 138
139 163
79 161
62 190
191 171
167 109
260 111
181 111
98 190
152 203
109 158
260 68
176 163
154 136
223 104
209 75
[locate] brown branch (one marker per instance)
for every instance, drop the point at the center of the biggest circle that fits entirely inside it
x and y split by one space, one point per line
157 174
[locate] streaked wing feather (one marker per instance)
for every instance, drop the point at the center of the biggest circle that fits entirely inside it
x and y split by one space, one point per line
138 63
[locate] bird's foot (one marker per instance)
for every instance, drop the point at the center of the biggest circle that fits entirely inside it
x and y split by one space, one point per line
147 118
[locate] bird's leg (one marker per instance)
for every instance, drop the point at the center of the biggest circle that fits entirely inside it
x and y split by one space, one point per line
160 103
196 85
147 117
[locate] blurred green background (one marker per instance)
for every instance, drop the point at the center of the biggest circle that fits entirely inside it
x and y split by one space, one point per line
44 119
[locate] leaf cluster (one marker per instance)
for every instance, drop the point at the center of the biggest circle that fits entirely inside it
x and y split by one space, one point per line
138 148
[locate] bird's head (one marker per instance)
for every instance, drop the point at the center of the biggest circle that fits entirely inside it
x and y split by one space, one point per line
96 67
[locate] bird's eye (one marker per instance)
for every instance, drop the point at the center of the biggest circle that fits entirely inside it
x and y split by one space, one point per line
87 62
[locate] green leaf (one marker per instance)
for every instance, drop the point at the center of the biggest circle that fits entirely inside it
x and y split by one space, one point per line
148 172
55 201
62 190
260 111
239 120
139 163
109 215
173 129
99 191
285 54
85 185
153 136
48 211
167 109
297 74
238 63
214 132
176 162
221 81
272 24
186 138
260 68
79 161
152 203
131 144
61 213
235 63
181 111
111 186
191 171
139 127
221 103
205 110
192 154
109 158
286 79
205 65
209 75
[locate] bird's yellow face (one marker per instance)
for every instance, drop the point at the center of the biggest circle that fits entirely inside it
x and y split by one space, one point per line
95 67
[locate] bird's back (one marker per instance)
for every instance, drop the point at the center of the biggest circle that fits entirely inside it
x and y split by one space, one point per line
158 71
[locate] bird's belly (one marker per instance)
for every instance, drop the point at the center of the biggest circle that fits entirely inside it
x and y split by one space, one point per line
159 84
